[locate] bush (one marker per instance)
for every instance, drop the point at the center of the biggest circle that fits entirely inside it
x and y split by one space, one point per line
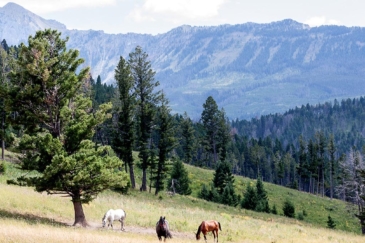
2 167
289 209
123 189
300 216
330 223
273 210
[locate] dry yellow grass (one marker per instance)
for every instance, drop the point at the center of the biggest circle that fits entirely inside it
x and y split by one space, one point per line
28 216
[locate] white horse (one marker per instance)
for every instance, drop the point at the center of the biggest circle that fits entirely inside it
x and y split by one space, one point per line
112 215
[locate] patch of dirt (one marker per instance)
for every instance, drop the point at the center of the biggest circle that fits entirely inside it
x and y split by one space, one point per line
139 230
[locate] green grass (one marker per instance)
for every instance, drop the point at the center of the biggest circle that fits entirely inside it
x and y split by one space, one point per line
143 209
317 208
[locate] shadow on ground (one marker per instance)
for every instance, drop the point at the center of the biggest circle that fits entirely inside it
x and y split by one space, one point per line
30 218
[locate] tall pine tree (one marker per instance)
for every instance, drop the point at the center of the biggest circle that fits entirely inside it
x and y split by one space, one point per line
188 138
124 126
166 142
147 99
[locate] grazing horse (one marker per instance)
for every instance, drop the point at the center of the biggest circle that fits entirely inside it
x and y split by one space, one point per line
207 226
113 215
162 229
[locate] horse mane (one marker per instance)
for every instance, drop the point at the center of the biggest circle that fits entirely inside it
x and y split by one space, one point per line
220 226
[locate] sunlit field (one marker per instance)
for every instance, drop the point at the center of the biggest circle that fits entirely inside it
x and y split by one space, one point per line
28 216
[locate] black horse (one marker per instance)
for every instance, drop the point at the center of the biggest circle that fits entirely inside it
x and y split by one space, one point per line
162 229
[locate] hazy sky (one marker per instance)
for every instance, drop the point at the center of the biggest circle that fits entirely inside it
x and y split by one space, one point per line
160 16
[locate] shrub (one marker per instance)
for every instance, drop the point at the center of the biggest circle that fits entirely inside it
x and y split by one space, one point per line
330 223
273 210
300 216
2 167
249 200
289 209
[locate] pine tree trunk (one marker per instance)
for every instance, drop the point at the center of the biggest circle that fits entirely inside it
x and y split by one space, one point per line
131 175
331 185
144 180
3 141
79 213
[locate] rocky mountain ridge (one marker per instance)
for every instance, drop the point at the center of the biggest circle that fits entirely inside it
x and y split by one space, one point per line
250 69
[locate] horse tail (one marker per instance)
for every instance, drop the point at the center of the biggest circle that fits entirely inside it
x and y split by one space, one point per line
168 234
220 226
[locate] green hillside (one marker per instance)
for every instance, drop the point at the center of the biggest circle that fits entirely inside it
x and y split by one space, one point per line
317 208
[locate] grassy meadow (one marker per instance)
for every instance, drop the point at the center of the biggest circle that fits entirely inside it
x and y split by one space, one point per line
28 216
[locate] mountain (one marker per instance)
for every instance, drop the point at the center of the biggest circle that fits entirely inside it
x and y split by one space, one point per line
250 69
17 23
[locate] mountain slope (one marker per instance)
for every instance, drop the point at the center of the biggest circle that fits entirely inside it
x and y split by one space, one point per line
17 23
250 69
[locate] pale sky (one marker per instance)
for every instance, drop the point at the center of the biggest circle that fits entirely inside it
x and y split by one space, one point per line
160 16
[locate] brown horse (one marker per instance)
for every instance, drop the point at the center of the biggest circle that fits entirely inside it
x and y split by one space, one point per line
207 226
162 229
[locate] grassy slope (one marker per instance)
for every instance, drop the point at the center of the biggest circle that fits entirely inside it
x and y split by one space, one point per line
316 207
40 213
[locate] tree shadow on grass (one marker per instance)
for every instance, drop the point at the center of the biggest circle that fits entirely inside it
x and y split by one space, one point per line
30 218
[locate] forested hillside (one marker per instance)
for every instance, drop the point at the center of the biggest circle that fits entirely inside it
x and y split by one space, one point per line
307 147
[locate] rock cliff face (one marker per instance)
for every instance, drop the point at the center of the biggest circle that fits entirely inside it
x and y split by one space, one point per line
249 69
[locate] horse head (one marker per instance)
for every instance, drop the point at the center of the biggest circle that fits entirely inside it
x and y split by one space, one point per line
103 221
161 222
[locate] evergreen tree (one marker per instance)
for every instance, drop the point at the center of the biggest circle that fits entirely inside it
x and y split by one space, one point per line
302 167
289 209
214 195
147 98
223 135
124 127
166 141
204 193
274 210
313 164
188 138
229 196
261 198
4 70
332 163
249 200
210 119
58 124
330 223
222 176
180 175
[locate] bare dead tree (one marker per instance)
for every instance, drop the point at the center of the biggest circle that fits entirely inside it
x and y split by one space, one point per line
353 185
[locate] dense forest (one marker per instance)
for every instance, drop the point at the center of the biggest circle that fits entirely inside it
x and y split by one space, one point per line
303 148
56 115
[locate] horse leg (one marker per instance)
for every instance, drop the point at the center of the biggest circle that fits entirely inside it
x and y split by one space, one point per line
122 224
205 237
215 233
